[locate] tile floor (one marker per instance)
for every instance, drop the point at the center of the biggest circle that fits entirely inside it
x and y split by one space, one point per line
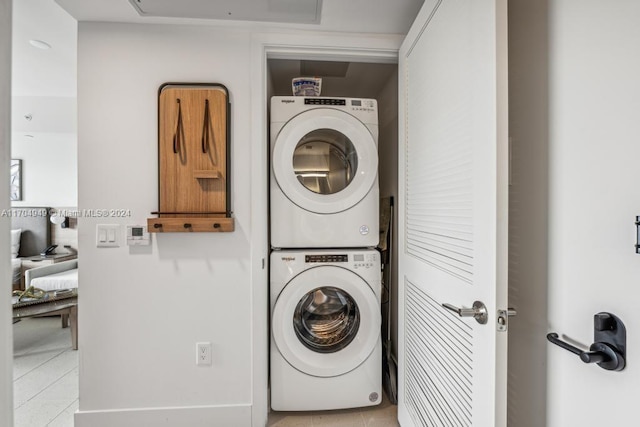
45 382
45 374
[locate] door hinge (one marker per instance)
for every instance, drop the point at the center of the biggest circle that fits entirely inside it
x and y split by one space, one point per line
502 319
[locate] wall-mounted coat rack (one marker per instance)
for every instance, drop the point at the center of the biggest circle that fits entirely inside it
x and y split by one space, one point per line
194 186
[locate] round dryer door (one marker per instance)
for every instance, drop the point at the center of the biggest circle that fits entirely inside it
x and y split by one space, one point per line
325 161
326 321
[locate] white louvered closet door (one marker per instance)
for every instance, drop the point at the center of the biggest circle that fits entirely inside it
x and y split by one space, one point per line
453 214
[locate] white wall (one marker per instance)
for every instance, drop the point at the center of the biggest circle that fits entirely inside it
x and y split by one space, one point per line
49 169
594 198
142 311
47 146
6 328
573 101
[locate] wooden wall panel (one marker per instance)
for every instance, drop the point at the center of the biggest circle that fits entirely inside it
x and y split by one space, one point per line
192 158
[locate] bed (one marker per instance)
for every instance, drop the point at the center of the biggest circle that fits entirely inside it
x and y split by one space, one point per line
30 234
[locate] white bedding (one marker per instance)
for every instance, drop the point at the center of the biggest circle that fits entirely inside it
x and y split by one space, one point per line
63 280
16 263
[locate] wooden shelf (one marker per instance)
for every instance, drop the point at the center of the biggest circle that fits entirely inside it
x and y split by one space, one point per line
190 225
207 174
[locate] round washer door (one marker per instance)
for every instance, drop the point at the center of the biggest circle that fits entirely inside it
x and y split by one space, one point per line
314 321
325 160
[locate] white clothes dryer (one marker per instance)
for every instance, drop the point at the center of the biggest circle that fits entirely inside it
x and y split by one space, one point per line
326 347
324 172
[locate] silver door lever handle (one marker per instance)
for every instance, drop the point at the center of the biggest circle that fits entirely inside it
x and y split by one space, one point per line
478 311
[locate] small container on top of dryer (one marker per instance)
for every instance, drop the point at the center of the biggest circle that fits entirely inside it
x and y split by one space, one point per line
306 86
324 172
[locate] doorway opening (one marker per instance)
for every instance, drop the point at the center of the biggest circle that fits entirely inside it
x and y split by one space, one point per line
365 79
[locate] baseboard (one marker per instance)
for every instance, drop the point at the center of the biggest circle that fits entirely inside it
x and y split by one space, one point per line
193 416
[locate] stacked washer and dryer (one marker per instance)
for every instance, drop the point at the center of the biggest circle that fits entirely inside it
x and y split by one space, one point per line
325 280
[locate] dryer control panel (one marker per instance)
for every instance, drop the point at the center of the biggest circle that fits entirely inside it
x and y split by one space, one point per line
355 104
284 108
325 101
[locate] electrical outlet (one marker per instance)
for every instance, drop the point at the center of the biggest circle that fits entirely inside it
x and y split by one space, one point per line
203 353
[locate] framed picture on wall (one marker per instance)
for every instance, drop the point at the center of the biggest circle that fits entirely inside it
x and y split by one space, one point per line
15 192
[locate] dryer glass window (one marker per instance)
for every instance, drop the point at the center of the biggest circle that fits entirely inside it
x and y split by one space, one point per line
326 319
325 161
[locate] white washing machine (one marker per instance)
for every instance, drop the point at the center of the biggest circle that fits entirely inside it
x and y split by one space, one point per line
326 348
324 172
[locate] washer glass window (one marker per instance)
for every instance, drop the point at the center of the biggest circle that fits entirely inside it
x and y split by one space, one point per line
326 319
325 161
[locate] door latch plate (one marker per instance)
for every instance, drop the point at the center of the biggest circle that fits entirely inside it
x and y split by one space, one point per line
502 319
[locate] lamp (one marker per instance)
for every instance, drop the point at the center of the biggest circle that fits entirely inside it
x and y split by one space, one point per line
59 219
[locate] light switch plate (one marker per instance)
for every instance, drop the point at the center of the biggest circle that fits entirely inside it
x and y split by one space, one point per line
108 235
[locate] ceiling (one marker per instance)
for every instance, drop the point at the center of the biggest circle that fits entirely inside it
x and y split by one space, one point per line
38 72
41 73
43 81
369 16
291 11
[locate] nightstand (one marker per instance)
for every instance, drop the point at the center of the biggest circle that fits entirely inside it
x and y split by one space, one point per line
41 261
